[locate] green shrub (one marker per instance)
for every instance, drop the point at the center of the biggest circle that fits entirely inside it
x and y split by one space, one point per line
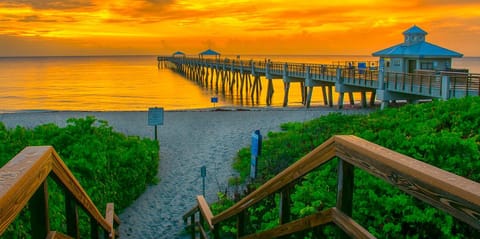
441 133
110 166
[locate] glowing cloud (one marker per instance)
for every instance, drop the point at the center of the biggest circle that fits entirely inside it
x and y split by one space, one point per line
77 27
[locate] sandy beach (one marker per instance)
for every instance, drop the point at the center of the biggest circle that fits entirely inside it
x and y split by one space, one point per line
188 141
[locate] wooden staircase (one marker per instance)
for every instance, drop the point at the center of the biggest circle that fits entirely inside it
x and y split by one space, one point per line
451 193
23 180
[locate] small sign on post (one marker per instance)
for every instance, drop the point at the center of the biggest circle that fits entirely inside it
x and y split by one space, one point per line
214 100
255 150
155 118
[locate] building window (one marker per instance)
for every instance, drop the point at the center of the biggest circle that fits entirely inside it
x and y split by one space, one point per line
426 65
396 62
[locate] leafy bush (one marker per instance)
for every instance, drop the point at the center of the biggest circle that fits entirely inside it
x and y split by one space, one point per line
441 133
110 166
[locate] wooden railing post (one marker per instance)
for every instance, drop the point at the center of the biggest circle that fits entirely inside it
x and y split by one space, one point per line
216 231
71 210
241 225
284 209
192 225
201 221
344 191
39 212
94 233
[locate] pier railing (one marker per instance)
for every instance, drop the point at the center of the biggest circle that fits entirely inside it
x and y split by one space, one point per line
23 181
346 77
451 193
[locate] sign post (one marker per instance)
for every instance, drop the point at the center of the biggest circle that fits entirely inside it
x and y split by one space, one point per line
155 117
256 149
203 173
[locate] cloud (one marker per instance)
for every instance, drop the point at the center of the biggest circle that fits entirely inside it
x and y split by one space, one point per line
50 4
35 18
448 2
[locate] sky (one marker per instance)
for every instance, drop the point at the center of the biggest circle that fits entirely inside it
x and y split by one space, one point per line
161 27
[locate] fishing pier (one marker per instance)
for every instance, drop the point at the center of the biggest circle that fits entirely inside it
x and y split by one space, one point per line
413 70
244 76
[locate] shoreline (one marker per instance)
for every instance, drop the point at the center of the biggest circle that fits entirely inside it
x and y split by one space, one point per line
211 109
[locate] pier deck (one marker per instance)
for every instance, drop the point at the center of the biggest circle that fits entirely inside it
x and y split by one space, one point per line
382 86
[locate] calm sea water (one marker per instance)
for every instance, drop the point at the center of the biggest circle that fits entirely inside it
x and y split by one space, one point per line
133 83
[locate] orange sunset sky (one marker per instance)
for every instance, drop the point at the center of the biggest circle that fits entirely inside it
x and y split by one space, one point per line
347 27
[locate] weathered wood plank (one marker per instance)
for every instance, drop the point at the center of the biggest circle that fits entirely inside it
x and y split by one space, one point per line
454 194
57 235
71 210
284 205
116 219
39 219
241 224
71 184
317 219
349 226
205 210
312 160
190 212
109 215
203 233
345 191
22 176
19 180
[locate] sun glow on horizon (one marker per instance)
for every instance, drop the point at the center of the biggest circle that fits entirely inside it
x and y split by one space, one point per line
72 27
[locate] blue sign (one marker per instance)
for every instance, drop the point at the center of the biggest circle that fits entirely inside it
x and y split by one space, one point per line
256 149
256 143
155 116
214 99
253 167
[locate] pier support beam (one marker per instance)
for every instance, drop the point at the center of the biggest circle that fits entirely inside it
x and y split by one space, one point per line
304 93
286 84
372 98
363 99
339 87
330 96
309 95
325 97
269 92
352 99
286 87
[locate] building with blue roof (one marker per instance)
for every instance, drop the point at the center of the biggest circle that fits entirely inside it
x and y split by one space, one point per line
416 54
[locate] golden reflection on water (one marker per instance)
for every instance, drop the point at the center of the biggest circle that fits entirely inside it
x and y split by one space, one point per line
125 83
94 83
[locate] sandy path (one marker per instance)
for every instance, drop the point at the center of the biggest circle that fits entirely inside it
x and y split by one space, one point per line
188 140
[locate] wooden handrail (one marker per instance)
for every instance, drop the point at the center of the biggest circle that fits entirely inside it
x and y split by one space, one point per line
317 219
205 210
315 158
456 195
22 176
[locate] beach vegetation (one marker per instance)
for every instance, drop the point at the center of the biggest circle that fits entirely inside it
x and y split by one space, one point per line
445 134
110 166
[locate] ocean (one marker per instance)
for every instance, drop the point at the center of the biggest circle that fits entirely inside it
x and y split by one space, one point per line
134 83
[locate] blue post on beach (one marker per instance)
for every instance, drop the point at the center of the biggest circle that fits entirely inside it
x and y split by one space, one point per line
256 149
203 173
